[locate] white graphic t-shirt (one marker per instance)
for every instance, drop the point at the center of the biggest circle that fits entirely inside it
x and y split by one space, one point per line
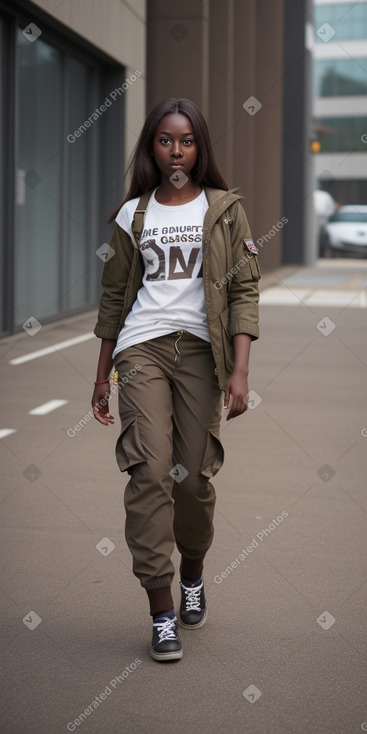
172 293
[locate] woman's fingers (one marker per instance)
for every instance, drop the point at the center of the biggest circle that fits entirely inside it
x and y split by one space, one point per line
237 388
237 408
104 418
226 397
102 415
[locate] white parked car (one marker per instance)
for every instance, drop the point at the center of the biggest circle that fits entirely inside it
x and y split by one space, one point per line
345 232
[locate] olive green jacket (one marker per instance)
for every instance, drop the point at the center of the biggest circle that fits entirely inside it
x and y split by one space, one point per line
230 277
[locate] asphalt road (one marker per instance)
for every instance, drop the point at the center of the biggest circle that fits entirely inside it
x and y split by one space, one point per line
284 648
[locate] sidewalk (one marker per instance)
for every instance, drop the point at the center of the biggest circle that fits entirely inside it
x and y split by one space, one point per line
284 648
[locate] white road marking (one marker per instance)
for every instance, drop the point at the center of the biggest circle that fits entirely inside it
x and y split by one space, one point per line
281 296
53 348
6 432
337 298
47 407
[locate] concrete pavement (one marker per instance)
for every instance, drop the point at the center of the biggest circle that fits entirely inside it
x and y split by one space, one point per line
284 648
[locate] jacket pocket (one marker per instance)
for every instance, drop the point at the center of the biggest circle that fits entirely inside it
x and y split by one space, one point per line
213 454
255 270
129 450
228 353
252 258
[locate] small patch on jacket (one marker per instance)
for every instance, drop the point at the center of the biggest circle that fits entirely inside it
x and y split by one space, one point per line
250 246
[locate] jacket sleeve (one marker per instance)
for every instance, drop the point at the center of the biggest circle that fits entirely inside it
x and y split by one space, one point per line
114 279
243 296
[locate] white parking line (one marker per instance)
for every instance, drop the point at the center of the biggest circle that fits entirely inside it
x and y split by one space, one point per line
6 432
53 348
47 407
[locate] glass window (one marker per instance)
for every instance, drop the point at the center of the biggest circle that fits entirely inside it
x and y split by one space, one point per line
53 245
340 77
40 143
76 224
61 164
341 134
349 20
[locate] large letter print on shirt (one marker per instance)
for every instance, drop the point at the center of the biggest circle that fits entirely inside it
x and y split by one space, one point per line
155 262
150 260
176 256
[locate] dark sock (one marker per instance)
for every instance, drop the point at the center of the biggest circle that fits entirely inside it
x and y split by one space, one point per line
191 568
189 583
160 599
163 616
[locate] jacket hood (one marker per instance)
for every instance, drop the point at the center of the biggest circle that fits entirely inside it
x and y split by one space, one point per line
217 196
219 200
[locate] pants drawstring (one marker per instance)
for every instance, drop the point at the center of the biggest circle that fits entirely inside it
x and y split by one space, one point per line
176 344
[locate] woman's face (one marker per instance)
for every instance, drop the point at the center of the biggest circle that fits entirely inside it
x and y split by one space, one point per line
175 147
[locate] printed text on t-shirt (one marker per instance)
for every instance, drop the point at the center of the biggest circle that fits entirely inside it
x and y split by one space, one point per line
181 260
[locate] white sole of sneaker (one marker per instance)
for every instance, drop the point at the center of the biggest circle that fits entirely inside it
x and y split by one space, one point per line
194 626
164 656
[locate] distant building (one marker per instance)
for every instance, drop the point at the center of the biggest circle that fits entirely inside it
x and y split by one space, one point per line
340 100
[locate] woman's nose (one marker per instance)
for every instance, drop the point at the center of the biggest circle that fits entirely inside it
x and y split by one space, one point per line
176 150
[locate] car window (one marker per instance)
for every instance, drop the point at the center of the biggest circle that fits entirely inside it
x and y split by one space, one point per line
340 216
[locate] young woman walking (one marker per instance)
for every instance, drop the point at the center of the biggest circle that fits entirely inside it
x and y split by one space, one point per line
177 315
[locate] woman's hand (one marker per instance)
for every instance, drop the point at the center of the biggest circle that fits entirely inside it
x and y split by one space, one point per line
237 387
237 384
101 394
100 398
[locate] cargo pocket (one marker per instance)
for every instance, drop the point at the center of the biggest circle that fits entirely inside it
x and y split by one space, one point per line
129 450
213 455
228 353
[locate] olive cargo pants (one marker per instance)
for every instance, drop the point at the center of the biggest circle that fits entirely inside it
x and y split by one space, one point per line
170 406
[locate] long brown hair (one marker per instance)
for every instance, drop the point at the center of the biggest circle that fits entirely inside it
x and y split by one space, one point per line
145 172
